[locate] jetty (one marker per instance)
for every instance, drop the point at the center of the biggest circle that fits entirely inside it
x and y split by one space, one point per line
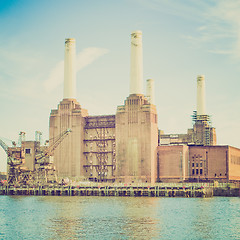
160 190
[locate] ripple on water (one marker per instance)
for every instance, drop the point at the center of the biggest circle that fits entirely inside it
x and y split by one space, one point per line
45 217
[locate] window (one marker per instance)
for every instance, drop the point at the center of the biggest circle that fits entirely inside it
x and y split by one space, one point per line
200 164
197 171
192 164
196 164
28 151
193 172
200 171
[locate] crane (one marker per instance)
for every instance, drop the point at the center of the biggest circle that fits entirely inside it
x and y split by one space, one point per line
4 146
15 157
44 170
49 150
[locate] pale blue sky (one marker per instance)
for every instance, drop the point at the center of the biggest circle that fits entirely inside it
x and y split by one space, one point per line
181 39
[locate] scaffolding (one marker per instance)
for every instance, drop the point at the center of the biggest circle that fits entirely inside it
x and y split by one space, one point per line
100 148
202 126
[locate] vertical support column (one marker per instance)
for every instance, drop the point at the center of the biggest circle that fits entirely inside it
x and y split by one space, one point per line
136 70
70 69
200 95
150 91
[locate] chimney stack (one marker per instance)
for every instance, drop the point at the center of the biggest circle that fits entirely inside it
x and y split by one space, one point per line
70 69
150 91
136 70
201 95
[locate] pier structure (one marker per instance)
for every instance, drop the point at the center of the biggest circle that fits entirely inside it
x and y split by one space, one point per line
110 191
158 190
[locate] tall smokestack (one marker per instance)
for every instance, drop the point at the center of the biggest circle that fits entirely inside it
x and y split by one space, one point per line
150 91
136 70
70 69
201 95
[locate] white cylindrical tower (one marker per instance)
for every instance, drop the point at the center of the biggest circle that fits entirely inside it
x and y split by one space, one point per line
150 91
136 69
201 95
69 69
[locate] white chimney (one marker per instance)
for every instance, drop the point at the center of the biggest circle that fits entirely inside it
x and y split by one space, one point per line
150 91
136 70
201 95
70 69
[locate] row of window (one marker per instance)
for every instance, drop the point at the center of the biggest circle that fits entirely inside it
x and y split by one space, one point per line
200 164
220 175
198 171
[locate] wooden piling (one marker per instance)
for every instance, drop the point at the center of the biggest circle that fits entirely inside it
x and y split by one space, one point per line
132 191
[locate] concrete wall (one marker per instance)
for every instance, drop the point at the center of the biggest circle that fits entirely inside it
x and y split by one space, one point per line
68 156
213 136
136 140
173 139
234 163
30 148
173 163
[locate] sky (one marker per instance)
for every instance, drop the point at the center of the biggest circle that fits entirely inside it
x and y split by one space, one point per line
181 40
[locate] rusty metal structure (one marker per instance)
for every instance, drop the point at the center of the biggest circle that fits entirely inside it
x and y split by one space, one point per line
15 158
29 163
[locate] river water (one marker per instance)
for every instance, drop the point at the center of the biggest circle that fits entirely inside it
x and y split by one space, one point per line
54 217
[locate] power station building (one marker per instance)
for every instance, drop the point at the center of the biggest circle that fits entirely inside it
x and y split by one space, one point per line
128 146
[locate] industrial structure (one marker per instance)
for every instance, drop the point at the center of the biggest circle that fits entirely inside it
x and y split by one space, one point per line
30 163
106 148
202 132
126 147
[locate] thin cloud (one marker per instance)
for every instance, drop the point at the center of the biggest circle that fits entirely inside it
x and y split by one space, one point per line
219 22
16 62
88 56
189 9
221 52
221 29
83 59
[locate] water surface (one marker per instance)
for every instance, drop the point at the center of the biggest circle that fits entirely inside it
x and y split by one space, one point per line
54 217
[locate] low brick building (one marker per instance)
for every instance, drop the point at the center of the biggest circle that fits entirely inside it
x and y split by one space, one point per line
198 163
